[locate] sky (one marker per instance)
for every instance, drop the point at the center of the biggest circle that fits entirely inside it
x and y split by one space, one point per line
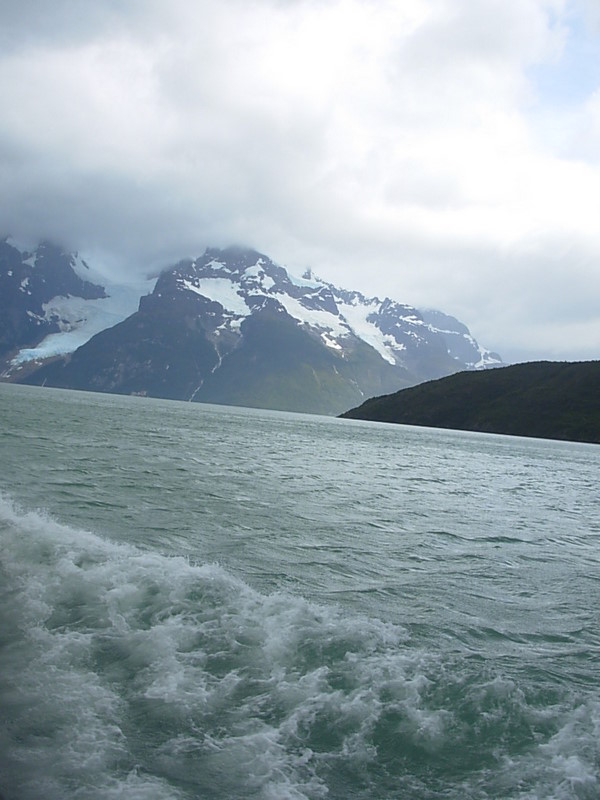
444 153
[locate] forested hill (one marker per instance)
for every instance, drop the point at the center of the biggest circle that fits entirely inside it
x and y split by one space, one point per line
546 399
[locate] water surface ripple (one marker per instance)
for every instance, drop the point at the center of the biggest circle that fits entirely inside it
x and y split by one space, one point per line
210 602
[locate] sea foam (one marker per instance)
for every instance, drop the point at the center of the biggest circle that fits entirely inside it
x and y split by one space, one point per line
123 666
130 673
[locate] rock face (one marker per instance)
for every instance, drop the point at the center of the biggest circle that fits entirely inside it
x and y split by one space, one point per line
31 286
545 399
233 327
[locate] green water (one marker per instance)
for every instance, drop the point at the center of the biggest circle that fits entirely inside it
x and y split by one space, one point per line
210 602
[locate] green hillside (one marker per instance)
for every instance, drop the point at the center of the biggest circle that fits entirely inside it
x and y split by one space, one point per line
545 399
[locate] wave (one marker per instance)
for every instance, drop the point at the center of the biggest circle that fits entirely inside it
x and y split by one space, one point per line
130 673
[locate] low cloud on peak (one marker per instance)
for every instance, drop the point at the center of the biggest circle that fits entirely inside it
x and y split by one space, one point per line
412 147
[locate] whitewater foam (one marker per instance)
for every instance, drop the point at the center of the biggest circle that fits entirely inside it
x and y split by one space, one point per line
108 640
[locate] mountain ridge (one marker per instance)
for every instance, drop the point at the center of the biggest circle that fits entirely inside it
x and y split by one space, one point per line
542 399
234 327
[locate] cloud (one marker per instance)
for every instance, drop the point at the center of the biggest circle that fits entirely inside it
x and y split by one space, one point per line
399 148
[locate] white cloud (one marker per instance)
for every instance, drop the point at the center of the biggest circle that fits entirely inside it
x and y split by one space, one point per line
412 137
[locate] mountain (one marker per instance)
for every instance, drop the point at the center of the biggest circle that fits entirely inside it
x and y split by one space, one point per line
233 327
33 288
52 302
545 399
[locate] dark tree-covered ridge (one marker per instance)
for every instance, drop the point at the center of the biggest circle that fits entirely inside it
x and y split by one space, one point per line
544 399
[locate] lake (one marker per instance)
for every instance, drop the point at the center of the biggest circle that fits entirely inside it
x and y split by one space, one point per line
215 602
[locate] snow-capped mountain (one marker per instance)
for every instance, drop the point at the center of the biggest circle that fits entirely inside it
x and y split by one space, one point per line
52 302
234 327
241 280
34 287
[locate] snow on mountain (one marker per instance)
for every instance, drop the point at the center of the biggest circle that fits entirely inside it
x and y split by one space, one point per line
62 309
236 279
79 319
229 327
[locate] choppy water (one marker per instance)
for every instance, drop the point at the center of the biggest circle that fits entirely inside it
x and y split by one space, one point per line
203 602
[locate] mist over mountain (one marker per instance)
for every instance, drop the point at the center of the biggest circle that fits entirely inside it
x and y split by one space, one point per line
234 327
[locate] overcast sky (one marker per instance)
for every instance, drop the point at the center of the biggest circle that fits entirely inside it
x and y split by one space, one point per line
445 153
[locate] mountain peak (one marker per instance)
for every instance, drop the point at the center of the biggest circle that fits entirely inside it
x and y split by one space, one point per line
233 326
236 277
